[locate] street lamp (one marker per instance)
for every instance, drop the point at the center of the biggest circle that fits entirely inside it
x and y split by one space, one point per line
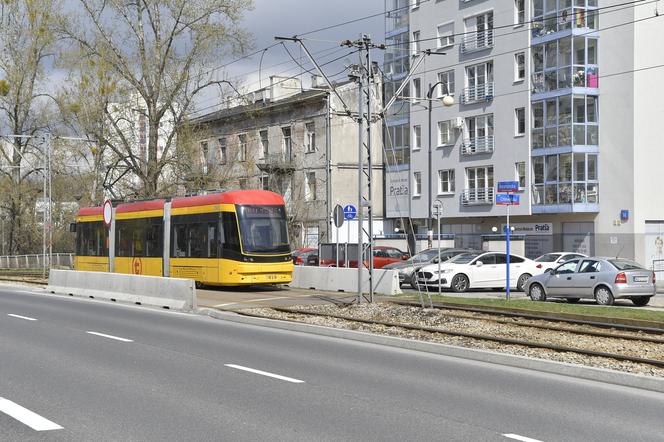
438 208
447 100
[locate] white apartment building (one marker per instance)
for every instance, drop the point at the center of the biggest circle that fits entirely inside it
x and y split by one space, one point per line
563 96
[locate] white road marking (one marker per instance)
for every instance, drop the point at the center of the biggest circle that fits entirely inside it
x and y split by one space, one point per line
21 317
265 373
521 438
109 336
27 417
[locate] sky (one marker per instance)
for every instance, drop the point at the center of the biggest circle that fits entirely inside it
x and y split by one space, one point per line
271 18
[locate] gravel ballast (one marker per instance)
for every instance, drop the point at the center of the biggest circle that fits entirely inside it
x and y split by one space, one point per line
481 324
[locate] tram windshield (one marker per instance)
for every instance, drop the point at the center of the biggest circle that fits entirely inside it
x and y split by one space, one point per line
263 229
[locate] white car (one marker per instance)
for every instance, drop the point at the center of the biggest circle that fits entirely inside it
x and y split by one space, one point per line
479 270
551 260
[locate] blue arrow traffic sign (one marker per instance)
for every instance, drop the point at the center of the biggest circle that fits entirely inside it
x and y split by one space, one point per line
350 212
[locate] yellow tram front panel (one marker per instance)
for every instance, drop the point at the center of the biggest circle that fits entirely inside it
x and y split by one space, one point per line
243 273
139 266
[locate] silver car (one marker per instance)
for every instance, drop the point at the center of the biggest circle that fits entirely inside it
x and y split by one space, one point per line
602 279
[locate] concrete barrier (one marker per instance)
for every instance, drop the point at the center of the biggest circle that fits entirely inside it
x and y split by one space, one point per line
174 293
386 282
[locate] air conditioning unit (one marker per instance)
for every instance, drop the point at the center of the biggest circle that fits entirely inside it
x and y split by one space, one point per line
458 123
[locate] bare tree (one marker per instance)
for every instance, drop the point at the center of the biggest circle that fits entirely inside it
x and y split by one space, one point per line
141 65
27 40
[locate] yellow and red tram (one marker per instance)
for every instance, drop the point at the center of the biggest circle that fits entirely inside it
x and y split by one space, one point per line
229 239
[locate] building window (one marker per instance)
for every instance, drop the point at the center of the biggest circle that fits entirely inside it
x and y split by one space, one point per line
479 32
310 186
565 121
415 43
520 174
310 130
479 83
264 144
445 35
222 151
520 121
565 63
445 181
416 90
417 183
447 83
519 12
242 148
444 133
417 137
265 182
206 156
478 135
519 66
287 143
565 179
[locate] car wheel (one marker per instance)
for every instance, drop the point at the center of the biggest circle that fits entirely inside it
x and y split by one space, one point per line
413 281
522 281
640 301
603 296
573 300
460 283
537 293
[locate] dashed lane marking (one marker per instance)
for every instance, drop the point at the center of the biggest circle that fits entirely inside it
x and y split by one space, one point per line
109 336
27 417
521 438
265 373
21 317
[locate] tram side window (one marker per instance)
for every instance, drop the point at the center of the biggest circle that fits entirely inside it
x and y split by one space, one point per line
230 236
195 240
91 239
139 237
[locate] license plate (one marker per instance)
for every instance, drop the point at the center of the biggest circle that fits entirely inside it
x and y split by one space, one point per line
640 279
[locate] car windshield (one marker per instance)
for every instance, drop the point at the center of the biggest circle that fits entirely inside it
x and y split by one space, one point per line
425 256
464 258
263 229
549 257
626 264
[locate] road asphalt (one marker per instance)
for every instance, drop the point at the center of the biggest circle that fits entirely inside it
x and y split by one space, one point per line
76 369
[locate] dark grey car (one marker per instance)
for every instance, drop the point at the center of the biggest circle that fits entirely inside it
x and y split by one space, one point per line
425 257
602 279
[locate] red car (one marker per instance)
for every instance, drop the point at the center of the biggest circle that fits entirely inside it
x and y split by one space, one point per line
300 255
382 256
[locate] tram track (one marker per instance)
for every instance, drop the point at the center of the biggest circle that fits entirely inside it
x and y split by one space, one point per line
619 340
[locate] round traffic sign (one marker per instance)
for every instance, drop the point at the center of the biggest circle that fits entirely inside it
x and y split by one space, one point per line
350 212
108 212
338 216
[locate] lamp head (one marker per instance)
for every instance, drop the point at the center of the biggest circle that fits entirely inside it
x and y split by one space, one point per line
494 229
447 100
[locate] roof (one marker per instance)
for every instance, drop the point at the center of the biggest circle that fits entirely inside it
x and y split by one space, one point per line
258 106
89 211
255 197
141 206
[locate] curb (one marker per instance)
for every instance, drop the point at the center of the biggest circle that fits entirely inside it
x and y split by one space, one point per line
541 365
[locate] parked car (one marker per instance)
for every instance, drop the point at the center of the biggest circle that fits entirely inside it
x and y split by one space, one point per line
300 255
382 256
478 270
551 260
408 268
602 279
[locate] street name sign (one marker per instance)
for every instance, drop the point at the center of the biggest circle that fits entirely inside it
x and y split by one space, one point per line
507 186
507 199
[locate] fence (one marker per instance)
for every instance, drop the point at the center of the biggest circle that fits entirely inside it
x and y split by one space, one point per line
28 262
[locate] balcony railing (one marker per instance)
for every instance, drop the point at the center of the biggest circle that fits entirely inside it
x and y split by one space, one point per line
276 161
482 195
475 94
477 41
477 145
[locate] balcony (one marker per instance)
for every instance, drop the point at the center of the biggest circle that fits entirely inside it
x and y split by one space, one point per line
277 162
477 145
477 94
478 196
478 41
